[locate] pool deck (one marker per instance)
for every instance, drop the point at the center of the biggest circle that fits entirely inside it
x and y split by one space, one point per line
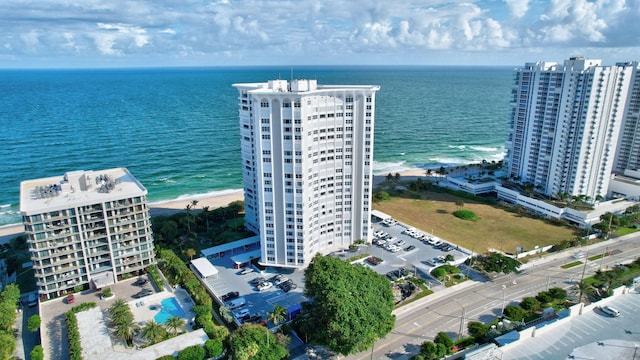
98 344
146 308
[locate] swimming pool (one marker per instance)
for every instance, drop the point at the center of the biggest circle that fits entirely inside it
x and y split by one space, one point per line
170 307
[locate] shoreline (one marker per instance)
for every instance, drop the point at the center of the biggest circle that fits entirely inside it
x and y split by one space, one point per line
170 207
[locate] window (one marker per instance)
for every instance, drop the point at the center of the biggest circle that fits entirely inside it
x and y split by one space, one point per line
264 104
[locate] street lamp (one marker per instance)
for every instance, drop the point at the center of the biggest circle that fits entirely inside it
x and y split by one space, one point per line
504 287
461 330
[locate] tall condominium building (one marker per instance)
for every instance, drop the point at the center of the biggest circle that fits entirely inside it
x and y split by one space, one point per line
628 154
565 125
307 156
86 229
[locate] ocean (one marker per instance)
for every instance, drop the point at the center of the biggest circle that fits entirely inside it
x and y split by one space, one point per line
176 129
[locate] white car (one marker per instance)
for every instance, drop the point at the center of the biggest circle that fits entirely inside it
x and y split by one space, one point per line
401 242
264 286
242 313
611 311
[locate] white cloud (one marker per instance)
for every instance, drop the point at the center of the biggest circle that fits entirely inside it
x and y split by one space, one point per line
517 8
315 31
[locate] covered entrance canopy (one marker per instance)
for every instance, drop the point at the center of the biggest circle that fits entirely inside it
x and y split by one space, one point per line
203 268
380 215
245 258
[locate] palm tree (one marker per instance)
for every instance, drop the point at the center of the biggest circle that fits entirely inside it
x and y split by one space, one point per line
175 323
278 314
126 330
205 215
120 312
429 172
390 178
190 252
153 331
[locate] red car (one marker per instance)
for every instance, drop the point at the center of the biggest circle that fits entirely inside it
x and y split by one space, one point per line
71 299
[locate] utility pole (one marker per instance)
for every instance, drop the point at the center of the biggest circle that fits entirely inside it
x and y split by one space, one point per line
584 268
606 250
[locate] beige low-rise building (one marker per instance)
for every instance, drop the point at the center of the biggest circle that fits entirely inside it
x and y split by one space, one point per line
86 229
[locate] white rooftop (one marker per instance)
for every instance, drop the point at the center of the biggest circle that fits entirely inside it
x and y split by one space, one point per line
77 188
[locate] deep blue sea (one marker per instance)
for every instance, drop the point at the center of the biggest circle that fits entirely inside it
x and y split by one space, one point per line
177 130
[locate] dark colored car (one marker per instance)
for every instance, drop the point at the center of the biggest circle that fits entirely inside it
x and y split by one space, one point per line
140 282
409 248
142 293
230 296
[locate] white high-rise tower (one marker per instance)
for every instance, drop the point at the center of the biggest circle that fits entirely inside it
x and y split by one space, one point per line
565 125
307 157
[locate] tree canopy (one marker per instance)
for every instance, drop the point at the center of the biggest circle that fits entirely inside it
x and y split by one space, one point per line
255 342
351 305
496 262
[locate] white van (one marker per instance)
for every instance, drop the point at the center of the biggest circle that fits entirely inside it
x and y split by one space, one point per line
610 311
236 303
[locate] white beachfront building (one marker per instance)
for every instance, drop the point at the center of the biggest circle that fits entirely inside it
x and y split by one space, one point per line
565 125
86 229
307 157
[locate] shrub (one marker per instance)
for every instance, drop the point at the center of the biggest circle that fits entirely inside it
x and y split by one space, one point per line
195 352
107 292
465 215
529 303
544 297
213 347
75 349
166 357
37 353
444 339
514 313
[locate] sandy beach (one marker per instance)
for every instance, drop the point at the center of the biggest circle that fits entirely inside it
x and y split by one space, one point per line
171 207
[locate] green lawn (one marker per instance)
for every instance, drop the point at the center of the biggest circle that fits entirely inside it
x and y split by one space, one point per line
571 264
495 228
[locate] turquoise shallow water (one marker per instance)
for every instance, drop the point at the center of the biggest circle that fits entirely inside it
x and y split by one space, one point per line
177 131
170 307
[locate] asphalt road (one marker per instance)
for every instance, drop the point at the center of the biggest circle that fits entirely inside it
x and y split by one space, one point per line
483 301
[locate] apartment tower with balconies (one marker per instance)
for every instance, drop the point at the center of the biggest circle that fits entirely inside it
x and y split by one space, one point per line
86 229
566 121
307 158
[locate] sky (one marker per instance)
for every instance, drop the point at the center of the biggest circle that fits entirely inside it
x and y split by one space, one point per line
161 33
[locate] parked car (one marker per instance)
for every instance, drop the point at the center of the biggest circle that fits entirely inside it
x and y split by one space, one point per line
372 260
264 286
242 313
401 242
409 248
611 311
142 293
71 299
257 281
140 282
32 300
245 271
230 296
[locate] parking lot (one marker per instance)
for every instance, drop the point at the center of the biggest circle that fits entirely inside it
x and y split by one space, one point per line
415 250
258 291
593 335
